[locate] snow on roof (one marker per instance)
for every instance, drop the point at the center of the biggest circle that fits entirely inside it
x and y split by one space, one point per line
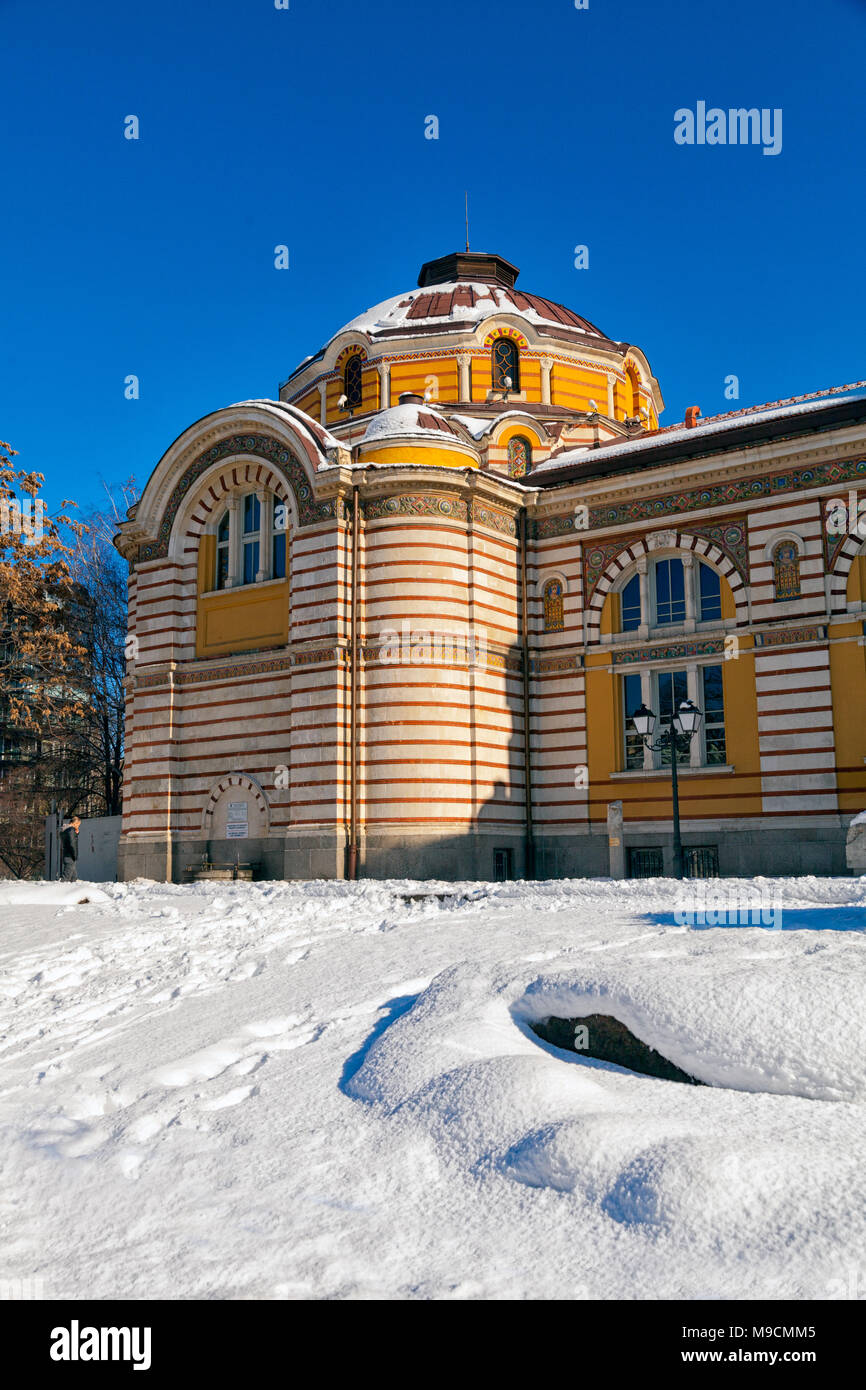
479 426
411 418
723 424
466 302
321 437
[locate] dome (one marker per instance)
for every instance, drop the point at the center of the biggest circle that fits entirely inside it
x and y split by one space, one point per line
413 416
458 292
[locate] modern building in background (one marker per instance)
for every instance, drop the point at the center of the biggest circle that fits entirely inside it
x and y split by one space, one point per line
395 622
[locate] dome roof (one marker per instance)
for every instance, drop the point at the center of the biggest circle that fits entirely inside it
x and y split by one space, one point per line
457 292
413 416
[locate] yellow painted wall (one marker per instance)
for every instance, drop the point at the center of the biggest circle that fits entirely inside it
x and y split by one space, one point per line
648 798
848 684
370 383
415 376
574 387
421 454
311 404
237 620
206 564
857 580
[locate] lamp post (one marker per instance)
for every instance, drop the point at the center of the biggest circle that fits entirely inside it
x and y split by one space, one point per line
684 724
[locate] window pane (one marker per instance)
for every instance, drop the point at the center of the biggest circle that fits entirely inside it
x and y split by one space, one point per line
711 594
252 514
223 532
279 555
222 566
631 702
631 607
673 689
353 382
505 363
251 561
714 714
670 591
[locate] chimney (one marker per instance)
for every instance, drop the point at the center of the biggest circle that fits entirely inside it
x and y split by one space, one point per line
692 413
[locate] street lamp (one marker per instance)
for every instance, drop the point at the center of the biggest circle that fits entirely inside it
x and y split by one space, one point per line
685 725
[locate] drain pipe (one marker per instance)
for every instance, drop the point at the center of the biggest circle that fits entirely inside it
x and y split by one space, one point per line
527 730
352 868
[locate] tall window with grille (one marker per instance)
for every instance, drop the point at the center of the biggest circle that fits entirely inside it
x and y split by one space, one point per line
505 363
353 381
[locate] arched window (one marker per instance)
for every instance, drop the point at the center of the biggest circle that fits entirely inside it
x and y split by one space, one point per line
519 456
786 570
551 595
353 386
676 591
251 541
506 363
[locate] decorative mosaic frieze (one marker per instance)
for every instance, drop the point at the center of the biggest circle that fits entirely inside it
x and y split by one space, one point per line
786 636
708 646
416 505
239 669
443 506
259 446
696 499
542 665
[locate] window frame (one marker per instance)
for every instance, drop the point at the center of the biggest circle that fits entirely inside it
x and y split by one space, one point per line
497 372
645 572
353 389
649 686
260 542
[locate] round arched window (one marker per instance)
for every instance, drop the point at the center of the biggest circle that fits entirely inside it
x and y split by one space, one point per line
506 363
353 385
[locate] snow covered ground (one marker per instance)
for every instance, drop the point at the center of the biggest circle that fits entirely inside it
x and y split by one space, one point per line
325 1090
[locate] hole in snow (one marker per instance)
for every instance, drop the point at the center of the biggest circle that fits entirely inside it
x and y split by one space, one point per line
607 1040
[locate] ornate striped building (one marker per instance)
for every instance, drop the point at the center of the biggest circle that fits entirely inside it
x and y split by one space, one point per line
394 622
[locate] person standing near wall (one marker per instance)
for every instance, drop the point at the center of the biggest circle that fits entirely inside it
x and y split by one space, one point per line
69 849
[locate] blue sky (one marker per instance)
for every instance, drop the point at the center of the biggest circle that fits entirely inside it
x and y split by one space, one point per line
305 127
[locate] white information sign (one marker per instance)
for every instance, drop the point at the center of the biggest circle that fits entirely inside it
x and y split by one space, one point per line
237 826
